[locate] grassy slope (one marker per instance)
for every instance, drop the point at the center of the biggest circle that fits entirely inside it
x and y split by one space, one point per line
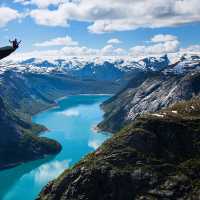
156 157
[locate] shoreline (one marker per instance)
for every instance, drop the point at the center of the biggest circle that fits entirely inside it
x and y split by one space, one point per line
16 164
56 101
95 129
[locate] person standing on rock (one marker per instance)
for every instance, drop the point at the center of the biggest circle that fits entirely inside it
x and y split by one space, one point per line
6 51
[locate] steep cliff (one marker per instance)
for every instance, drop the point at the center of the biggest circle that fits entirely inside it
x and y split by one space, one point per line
148 94
155 157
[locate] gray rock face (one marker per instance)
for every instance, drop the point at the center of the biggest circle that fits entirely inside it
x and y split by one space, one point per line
154 64
112 70
154 92
160 92
32 92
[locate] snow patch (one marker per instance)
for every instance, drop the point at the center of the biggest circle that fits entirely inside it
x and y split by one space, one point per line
157 115
175 111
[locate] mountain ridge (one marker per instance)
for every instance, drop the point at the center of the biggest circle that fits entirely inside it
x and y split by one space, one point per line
151 92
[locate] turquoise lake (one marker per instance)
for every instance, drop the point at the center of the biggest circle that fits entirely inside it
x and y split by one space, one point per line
71 124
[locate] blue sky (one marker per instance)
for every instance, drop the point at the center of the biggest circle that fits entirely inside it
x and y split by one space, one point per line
91 25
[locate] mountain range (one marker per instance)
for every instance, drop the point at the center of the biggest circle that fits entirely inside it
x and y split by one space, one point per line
33 85
154 152
152 91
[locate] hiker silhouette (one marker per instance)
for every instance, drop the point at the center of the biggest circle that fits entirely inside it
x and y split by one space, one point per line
7 50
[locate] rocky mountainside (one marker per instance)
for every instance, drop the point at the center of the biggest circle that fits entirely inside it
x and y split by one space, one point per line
155 64
30 87
18 140
95 69
26 93
151 92
30 92
155 157
33 85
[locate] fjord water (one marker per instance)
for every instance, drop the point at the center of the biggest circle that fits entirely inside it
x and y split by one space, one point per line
71 124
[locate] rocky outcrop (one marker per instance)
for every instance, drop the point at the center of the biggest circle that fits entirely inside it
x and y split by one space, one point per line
156 157
33 85
155 64
148 94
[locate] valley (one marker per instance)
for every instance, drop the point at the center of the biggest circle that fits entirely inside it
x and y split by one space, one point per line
100 100
154 157
71 124
139 89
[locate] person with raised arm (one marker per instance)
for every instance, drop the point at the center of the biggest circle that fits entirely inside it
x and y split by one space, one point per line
7 50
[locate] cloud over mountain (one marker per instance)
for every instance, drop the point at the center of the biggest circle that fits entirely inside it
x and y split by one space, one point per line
161 44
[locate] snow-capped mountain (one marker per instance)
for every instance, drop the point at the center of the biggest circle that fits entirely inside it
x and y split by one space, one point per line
31 81
96 68
153 91
155 64
184 64
108 69
123 63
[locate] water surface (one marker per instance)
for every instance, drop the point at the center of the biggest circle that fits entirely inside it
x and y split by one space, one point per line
71 124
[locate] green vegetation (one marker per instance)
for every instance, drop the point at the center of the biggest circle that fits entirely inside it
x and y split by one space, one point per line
19 141
155 157
23 94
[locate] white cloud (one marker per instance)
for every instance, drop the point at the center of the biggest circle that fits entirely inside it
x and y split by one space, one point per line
69 51
48 172
163 38
96 140
163 44
109 50
120 51
49 18
8 14
79 51
114 41
70 113
118 15
41 3
60 41
191 49
160 44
